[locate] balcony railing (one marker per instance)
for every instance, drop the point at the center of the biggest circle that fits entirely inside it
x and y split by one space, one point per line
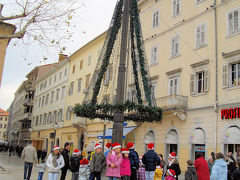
26 116
27 102
172 102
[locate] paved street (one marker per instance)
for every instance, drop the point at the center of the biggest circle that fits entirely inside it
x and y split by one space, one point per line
14 167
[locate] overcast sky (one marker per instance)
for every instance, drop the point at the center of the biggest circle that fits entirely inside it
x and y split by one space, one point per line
94 19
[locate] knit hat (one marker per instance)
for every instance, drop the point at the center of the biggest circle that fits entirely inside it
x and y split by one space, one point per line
98 146
116 145
76 152
130 145
173 155
124 150
84 162
171 172
108 145
56 148
150 146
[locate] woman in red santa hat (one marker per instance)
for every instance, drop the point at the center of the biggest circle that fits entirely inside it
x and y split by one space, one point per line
55 163
114 160
150 160
173 164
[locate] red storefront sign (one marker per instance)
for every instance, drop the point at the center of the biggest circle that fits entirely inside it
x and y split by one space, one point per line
231 113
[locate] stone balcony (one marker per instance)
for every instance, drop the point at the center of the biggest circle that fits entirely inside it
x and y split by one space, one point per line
79 122
26 116
173 102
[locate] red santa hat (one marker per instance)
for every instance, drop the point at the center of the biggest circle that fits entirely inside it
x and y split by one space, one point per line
171 172
76 152
108 145
173 155
84 162
130 145
116 145
97 146
124 150
150 146
56 148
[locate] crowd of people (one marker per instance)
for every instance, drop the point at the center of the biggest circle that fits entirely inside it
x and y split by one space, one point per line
125 163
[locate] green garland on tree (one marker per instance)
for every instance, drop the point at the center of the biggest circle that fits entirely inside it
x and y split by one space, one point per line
137 26
132 111
134 63
113 35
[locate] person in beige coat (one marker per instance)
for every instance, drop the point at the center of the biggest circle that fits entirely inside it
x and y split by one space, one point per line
29 156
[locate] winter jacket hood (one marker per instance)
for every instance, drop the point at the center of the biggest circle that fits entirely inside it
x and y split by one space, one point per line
74 163
202 169
219 170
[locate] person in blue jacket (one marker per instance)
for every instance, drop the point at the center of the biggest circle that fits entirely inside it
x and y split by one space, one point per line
219 170
108 147
134 160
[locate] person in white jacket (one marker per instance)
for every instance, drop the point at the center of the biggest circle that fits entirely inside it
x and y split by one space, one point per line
55 163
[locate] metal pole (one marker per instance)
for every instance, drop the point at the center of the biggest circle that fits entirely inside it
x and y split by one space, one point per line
117 133
54 138
104 133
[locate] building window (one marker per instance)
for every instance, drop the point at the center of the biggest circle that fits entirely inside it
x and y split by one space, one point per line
0 126
173 86
156 19
154 90
233 22
154 56
45 118
201 35
55 78
5 118
73 69
60 75
50 81
45 84
5 126
46 101
54 117
41 86
81 64
43 98
89 60
87 80
63 91
40 120
65 73
70 92
175 46
199 1
57 94
52 97
39 102
231 73
36 122
68 113
49 117
79 85
107 76
60 119
176 7
1 118
199 82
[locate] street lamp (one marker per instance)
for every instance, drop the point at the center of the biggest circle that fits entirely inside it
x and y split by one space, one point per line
55 126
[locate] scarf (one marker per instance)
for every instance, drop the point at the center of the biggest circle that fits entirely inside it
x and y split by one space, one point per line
113 156
54 159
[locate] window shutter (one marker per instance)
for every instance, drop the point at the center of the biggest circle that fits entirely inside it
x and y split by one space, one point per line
230 23
178 7
174 7
236 20
111 72
198 37
155 55
192 84
152 56
225 76
157 19
154 14
177 47
172 52
206 80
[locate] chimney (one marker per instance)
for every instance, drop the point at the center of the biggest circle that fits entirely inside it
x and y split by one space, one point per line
62 57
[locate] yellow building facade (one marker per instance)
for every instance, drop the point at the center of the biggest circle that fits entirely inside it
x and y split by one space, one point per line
3 125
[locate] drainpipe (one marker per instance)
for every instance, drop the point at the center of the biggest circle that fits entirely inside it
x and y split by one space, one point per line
216 76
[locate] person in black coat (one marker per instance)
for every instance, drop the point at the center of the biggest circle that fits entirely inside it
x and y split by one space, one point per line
150 160
134 160
75 163
44 154
236 172
173 164
39 154
65 154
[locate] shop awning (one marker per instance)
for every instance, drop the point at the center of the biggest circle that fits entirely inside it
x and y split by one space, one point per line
108 134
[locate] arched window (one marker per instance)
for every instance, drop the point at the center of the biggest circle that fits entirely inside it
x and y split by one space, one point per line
149 138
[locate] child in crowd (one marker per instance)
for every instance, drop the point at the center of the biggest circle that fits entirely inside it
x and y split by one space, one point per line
125 165
97 163
42 168
141 171
114 160
84 171
170 175
75 163
158 173
191 173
